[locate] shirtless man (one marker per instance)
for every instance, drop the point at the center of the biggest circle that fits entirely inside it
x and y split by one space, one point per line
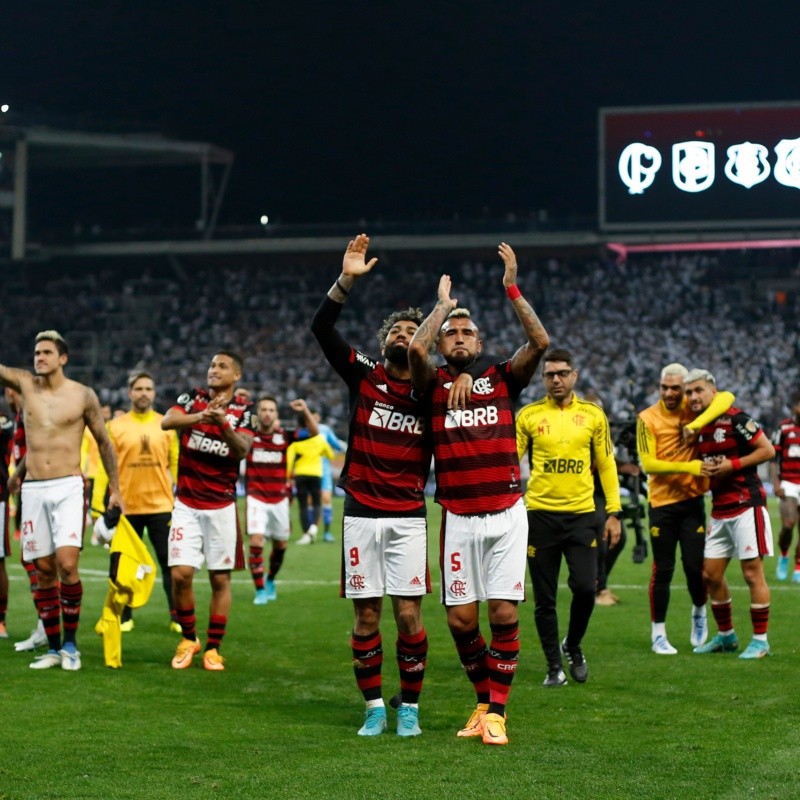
53 493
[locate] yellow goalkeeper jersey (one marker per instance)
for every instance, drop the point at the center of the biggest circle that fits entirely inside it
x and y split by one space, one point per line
147 461
304 456
562 445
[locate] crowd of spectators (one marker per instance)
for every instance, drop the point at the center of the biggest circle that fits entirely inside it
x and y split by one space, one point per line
623 321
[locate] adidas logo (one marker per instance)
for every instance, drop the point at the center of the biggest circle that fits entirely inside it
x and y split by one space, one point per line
518 587
415 581
382 387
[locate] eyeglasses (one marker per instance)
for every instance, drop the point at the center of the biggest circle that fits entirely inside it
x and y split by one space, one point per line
561 373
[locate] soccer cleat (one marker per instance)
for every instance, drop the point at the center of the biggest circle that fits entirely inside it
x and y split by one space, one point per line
175 626
577 663
127 626
605 598
474 726
758 648
70 659
3 631
184 653
494 729
261 598
408 721
374 722
782 572
328 537
555 677
662 647
721 643
306 538
38 638
272 593
796 576
51 658
213 661
699 633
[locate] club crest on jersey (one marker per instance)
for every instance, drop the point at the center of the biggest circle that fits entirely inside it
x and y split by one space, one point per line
205 444
385 416
482 386
278 439
471 417
719 435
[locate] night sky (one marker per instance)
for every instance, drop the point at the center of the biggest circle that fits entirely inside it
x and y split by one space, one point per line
346 111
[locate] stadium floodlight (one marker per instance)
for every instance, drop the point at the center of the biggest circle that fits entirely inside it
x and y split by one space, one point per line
5 107
264 219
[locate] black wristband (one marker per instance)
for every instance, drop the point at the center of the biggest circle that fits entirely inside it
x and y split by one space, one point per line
341 288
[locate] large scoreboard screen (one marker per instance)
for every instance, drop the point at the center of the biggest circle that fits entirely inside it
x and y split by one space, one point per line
699 166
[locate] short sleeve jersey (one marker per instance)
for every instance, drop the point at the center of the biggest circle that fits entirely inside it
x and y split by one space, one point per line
477 469
729 436
207 470
265 475
787 450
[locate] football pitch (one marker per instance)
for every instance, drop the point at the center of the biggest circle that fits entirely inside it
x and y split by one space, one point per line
281 720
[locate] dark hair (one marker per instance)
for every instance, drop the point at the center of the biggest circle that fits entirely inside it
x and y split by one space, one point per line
795 398
235 357
56 338
411 314
135 376
267 397
559 354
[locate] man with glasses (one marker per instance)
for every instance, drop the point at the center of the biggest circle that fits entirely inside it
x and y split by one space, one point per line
564 437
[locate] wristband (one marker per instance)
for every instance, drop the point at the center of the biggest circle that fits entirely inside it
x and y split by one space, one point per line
736 464
341 288
513 292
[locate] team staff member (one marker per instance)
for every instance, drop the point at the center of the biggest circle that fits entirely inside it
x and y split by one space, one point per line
148 470
268 492
676 489
563 435
785 475
478 484
304 464
731 448
215 432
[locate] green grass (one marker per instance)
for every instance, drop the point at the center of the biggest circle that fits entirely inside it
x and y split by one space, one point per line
281 720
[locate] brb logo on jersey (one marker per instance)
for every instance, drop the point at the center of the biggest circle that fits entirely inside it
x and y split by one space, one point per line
204 444
385 416
563 466
471 417
267 457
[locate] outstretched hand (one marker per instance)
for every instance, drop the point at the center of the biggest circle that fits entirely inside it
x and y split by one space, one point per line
445 285
354 263
510 261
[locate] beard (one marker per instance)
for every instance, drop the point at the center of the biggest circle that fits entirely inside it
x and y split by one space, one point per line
396 355
460 362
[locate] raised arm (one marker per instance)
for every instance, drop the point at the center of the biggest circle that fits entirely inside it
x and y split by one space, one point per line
423 368
525 361
300 406
14 378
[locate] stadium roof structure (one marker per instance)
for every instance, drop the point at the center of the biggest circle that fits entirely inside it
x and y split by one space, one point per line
44 148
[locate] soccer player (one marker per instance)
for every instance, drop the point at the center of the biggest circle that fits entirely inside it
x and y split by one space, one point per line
57 410
484 531
731 448
676 490
215 431
268 491
304 465
326 487
785 475
6 450
563 436
148 469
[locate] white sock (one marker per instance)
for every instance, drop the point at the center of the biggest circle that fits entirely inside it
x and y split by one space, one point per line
658 629
375 703
699 611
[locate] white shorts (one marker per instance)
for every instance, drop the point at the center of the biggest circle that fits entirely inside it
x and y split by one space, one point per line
196 533
484 556
385 556
268 519
747 535
53 515
5 539
791 490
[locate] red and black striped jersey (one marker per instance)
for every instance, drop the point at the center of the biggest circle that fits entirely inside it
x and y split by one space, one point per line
265 473
20 448
475 450
787 450
6 451
388 445
729 436
207 470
